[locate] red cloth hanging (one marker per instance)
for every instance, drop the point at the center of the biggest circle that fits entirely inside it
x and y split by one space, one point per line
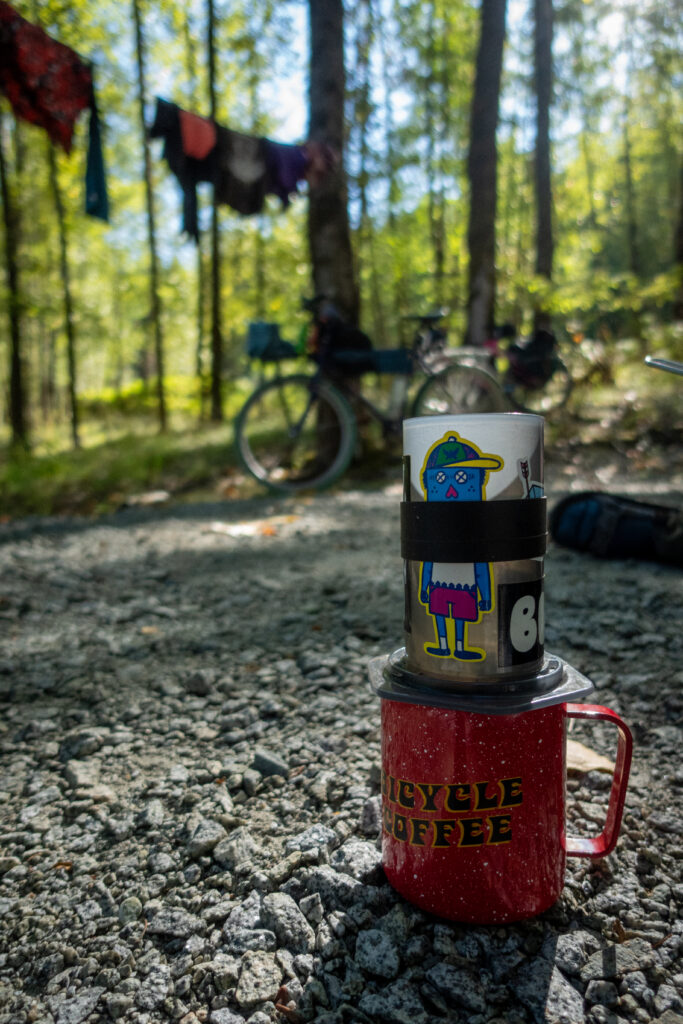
46 82
198 134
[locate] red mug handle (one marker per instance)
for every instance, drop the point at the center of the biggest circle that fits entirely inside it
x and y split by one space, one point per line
603 844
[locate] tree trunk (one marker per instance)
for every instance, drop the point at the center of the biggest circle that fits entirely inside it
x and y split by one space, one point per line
398 291
543 86
17 385
482 171
155 311
191 67
437 129
66 295
366 236
678 252
216 332
329 234
631 219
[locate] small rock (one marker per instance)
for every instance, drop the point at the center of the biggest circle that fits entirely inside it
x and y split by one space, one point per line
268 763
199 683
152 816
603 992
118 1004
224 1016
281 915
79 1007
315 837
618 959
176 922
547 994
155 988
260 978
398 1003
376 954
458 987
205 837
359 859
236 849
82 774
130 910
371 816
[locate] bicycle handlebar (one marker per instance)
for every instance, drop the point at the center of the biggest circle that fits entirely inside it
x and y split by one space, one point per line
670 365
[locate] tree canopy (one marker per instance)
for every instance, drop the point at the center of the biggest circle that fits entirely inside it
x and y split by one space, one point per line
615 159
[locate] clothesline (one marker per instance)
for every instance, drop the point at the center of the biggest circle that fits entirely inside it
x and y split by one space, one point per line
243 169
49 85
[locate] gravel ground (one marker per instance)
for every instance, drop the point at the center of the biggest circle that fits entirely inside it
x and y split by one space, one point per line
189 791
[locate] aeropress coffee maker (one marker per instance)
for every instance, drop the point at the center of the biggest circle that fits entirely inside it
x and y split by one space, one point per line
474 711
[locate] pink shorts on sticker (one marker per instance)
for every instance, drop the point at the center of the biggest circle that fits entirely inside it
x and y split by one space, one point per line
460 604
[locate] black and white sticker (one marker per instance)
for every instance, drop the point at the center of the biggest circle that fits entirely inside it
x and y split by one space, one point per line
521 622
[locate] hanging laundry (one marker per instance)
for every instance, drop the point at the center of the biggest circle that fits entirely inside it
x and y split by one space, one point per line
243 169
198 134
49 85
96 197
187 167
241 177
286 167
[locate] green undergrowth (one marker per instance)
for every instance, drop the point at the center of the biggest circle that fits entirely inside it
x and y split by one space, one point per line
101 477
123 455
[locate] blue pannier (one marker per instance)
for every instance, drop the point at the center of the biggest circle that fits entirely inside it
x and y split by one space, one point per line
264 343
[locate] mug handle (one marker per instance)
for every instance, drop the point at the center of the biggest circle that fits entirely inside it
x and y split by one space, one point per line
601 845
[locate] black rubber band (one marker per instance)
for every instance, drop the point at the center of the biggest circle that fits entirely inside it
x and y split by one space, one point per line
473 531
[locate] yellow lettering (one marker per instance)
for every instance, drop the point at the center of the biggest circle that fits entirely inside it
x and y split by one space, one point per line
442 830
418 828
482 801
406 793
500 829
428 791
457 799
471 832
511 792
400 828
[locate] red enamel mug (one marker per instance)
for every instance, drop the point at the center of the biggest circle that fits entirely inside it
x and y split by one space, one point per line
474 805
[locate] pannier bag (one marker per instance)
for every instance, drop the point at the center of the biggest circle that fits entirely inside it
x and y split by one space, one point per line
393 360
343 348
531 361
264 343
613 526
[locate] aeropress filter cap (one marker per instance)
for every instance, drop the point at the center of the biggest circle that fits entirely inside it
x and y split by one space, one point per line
556 683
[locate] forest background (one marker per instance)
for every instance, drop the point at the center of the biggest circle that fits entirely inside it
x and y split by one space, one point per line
90 348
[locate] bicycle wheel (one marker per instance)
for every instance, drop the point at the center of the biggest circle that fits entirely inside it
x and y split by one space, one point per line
459 389
545 399
295 433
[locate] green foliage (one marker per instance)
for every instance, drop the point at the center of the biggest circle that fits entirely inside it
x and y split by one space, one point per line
410 74
102 477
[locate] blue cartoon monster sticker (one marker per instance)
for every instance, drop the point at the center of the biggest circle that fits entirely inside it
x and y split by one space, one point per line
456 470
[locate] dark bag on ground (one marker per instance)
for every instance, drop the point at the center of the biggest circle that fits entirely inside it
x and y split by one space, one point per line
532 361
613 526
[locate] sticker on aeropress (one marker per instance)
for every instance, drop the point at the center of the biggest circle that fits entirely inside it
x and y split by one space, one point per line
473 524
521 622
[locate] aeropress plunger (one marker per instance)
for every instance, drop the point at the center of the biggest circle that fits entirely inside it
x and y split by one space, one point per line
474 710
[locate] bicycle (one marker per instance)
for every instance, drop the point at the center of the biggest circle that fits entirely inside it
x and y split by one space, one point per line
299 431
530 375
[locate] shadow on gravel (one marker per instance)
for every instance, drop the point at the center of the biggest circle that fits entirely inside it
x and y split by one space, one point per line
125 518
